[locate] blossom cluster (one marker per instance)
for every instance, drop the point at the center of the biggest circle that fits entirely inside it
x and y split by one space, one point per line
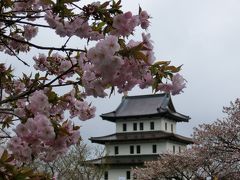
56 64
176 86
104 65
39 135
125 24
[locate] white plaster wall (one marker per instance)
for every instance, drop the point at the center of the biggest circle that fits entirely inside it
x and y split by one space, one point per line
169 147
159 124
115 174
146 148
169 122
146 124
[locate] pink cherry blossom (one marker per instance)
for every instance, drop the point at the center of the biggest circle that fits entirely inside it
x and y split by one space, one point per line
22 131
51 20
64 66
82 110
178 83
125 23
17 46
176 87
40 62
30 32
38 103
143 16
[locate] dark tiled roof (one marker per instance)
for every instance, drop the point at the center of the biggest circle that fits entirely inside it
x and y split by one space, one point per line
156 105
141 136
124 160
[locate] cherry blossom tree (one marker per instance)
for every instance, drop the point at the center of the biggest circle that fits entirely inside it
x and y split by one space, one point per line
32 106
214 154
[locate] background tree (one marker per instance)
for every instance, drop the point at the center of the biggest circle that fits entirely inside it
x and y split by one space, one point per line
75 164
214 154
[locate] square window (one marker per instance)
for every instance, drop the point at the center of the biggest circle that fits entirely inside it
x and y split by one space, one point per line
106 175
152 125
172 127
128 174
141 126
131 149
154 148
124 127
116 149
138 149
166 126
135 126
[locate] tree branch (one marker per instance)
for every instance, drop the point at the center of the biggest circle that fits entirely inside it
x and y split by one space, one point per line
23 22
31 90
42 47
15 54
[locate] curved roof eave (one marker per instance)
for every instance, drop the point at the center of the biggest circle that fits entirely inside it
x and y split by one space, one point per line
175 116
138 136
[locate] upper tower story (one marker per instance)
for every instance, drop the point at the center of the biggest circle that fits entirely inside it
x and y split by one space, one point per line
145 113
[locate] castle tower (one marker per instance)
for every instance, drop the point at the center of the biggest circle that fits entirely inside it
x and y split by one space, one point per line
145 128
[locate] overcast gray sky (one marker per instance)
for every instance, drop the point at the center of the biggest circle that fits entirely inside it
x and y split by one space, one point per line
204 36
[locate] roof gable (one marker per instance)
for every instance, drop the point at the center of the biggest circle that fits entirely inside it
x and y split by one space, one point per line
155 105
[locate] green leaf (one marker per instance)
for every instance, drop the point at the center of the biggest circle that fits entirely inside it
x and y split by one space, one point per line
4 156
69 1
37 75
162 63
173 69
20 177
52 97
107 29
137 48
7 121
100 25
43 78
47 1
104 5
141 56
10 159
76 127
122 43
27 171
7 3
